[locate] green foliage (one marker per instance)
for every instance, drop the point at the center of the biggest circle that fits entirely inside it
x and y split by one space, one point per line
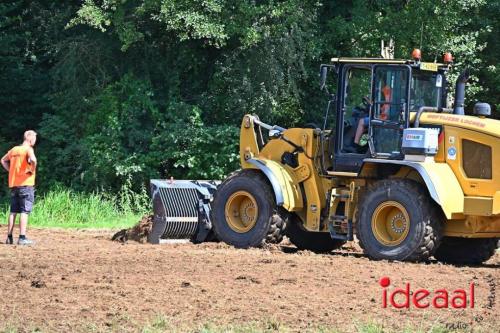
119 131
185 147
194 19
89 13
489 72
130 140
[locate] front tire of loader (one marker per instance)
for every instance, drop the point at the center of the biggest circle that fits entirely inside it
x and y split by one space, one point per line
398 221
466 251
245 213
319 242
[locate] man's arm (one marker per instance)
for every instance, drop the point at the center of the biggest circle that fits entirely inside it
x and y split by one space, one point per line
6 162
32 158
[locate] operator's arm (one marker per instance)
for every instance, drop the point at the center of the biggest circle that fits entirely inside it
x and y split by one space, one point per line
6 162
32 158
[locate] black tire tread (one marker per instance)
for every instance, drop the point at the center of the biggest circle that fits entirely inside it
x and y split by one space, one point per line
433 218
466 251
277 226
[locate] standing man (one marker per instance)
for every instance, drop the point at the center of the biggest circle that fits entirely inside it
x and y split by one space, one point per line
20 162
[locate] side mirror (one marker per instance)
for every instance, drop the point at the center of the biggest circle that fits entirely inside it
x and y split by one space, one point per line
323 74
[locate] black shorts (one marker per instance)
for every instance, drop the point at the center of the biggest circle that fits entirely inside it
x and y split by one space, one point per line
22 199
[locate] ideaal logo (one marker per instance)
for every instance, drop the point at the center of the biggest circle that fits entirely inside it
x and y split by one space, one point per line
400 298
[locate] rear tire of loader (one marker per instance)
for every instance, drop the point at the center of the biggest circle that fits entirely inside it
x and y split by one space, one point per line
245 213
319 242
466 251
397 220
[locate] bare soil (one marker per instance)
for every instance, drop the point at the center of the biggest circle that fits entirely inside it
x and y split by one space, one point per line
72 279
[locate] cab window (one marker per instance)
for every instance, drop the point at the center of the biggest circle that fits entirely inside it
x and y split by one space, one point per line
425 90
356 103
390 93
389 115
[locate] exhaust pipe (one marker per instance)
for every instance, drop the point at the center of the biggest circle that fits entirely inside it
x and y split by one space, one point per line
462 79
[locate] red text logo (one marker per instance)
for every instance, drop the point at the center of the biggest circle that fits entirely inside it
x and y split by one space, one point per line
405 297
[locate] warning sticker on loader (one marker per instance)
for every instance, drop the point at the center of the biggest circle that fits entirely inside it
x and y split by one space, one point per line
452 153
414 137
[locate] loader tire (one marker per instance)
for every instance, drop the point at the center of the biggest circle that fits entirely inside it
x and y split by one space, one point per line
466 251
397 220
245 213
319 242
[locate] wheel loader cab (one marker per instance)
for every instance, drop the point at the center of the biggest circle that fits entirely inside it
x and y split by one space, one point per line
373 105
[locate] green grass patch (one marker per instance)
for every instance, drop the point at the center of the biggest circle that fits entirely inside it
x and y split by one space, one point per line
161 324
64 208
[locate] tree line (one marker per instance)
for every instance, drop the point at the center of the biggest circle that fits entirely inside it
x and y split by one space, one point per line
121 91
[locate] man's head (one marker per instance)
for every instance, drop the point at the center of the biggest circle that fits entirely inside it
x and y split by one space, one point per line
30 137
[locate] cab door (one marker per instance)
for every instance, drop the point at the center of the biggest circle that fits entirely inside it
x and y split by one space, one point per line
353 105
390 109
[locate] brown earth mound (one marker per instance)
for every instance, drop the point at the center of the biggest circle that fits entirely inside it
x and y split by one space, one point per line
138 233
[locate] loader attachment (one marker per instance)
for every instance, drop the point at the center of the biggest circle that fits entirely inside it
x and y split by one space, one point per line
181 209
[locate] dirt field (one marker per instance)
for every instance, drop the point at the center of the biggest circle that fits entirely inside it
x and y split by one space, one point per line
77 280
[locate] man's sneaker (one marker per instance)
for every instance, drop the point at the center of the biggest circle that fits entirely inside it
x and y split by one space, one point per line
25 241
9 241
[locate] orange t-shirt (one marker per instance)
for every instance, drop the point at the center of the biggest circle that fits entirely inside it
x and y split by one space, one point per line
388 98
21 173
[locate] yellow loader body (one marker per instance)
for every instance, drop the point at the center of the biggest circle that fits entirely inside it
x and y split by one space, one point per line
471 206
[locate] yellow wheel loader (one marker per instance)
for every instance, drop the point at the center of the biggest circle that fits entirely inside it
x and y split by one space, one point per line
391 164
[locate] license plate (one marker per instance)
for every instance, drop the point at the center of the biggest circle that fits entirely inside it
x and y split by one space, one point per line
429 66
